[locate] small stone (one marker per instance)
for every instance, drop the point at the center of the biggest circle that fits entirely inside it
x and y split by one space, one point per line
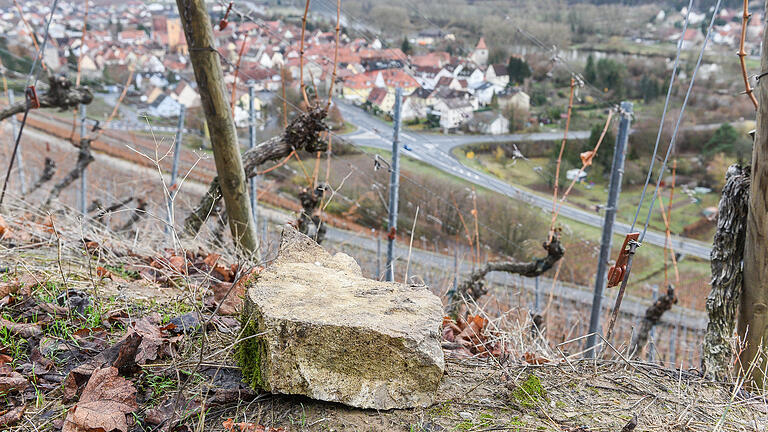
329 333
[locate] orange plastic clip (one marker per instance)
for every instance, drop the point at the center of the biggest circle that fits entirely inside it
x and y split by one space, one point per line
31 93
616 273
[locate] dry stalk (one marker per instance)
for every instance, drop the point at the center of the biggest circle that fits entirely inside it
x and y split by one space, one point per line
301 55
560 159
237 70
742 54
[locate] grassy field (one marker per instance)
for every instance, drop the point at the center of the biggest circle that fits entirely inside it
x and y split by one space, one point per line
593 191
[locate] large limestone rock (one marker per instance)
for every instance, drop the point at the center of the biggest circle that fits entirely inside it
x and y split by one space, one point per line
315 326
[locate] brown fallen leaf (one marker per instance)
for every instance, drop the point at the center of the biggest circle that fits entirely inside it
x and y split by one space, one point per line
229 297
230 425
170 411
155 343
12 417
103 273
22 284
54 309
532 358
211 259
25 330
178 264
3 228
121 355
105 401
41 364
11 380
91 246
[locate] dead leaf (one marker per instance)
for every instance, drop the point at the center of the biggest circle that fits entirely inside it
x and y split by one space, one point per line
586 157
91 246
211 260
163 413
532 358
106 400
229 297
23 285
103 273
54 309
41 364
11 380
24 330
178 264
230 425
155 343
121 355
3 228
12 417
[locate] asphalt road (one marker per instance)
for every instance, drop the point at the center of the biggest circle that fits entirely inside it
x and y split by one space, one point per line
435 149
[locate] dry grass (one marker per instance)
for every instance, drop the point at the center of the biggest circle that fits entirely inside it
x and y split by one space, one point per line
476 393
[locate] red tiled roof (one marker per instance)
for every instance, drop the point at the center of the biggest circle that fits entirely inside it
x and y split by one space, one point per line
377 96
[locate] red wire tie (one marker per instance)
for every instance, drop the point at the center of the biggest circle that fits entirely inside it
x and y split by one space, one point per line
32 99
618 270
392 233
224 23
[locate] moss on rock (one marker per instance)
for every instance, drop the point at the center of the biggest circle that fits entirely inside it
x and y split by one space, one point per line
249 352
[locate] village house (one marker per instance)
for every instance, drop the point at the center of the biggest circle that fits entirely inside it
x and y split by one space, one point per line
473 76
514 98
425 76
382 99
451 83
429 36
358 87
497 74
443 93
485 91
186 95
415 105
164 106
132 37
453 112
489 123
435 59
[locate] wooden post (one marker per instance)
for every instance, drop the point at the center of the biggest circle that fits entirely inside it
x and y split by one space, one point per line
753 313
226 151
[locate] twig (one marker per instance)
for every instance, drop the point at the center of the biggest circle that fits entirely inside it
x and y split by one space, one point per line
410 246
335 53
237 70
119 101
742 54
32 33
301 55
560 159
